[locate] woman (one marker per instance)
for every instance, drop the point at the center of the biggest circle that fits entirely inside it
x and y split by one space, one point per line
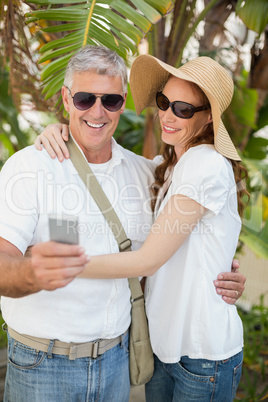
197 339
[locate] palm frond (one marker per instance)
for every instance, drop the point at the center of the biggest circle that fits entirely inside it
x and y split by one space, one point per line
117 24
16 53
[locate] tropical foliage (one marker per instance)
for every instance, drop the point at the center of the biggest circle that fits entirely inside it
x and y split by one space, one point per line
253 385
11 136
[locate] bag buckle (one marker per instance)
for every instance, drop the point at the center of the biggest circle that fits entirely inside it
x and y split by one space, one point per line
136 299
125 244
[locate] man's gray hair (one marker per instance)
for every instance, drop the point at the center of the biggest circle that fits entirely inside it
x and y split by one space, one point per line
97 59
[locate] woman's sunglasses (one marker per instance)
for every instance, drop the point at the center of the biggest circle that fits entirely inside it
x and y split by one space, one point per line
180 109
85 100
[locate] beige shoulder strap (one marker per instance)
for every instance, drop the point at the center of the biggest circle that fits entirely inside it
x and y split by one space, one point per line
93 186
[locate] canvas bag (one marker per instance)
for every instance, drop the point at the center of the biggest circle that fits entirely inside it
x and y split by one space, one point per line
141 361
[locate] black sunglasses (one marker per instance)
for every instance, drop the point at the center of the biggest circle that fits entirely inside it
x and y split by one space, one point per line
85 100
180 109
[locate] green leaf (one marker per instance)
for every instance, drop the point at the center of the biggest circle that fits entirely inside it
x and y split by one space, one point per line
252 220
130 131
263 115
106 38
257 243
129 13
130 30
60 14
244 105
163 6
264 234
56 53
65 27
254 14
129 103
55 66
54 85
256 148
258 170
128 43
147 10
9 114
52 2
41 3
74 37
60 103
6 142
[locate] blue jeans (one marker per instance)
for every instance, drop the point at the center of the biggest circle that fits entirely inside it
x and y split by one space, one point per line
34 376
195 380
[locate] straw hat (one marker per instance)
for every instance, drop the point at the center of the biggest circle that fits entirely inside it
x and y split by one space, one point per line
149 75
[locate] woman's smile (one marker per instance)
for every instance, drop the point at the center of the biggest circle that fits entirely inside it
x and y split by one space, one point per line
169 129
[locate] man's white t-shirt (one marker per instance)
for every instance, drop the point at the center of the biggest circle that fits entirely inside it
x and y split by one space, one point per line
33 186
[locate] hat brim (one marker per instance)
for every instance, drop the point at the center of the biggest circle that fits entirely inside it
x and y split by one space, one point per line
224 145
149 75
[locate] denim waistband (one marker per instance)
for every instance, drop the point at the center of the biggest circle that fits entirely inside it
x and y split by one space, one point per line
73 350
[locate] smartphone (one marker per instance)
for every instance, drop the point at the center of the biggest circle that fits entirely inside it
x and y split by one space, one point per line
64 230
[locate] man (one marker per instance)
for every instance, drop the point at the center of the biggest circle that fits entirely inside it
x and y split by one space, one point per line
55 320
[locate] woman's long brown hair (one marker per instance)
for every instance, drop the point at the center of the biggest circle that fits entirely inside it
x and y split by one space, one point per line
206 136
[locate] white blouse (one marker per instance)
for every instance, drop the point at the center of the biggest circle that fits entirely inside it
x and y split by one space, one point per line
186 315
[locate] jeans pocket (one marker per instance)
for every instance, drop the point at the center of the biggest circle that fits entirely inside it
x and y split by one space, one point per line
195 383
199 369
22 356
237 377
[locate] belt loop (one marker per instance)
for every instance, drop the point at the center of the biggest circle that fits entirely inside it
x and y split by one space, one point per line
49 350
73 352
95 350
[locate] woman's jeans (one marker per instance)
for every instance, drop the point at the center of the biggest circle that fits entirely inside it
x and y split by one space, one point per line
195 380
34 376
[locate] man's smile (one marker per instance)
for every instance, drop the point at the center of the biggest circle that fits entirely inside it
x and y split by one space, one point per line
94 125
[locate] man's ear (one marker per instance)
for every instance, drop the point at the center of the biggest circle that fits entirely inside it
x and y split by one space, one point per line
65 97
